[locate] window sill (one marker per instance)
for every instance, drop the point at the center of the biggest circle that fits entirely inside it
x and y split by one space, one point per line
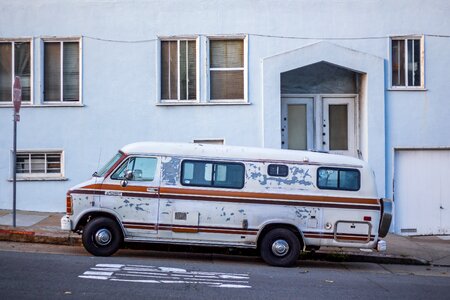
210 103
408 89
40 179
44 105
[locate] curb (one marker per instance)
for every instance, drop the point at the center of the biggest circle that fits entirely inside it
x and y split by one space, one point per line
354 257
24 236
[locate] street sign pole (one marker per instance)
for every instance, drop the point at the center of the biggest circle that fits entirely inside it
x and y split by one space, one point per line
17 100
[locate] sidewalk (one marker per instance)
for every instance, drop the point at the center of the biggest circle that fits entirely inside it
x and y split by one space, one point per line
44 228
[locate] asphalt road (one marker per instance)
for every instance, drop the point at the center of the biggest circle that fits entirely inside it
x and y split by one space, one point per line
32 271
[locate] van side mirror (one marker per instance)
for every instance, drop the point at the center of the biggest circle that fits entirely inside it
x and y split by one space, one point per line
129 175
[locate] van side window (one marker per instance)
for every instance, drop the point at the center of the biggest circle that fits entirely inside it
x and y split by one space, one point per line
143 169
278 170
338 179
213 174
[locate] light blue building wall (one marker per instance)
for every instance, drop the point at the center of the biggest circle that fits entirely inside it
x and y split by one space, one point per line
120 44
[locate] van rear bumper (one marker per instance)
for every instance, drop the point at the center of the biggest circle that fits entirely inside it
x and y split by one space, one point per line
386 216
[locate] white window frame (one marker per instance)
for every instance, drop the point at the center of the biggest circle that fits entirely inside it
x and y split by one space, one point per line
422 62
21 40
244 38
178 39
40 176
61 41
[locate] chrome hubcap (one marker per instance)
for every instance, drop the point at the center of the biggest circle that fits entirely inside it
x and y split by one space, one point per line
280 247
103 237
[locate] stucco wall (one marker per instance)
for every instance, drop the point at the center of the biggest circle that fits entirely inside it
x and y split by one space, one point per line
120 83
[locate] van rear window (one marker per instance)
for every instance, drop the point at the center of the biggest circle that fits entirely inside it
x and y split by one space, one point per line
338 179
213 174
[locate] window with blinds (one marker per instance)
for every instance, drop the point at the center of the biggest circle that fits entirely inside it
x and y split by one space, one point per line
179 70
61 71
15 58
226 69
39 164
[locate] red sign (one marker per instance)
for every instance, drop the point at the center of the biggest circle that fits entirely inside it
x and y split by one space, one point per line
17 94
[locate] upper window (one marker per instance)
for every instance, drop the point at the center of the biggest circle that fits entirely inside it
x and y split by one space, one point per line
143 168
407 62
179 70
213 174
338 179
15 60
226 69
61 71
39 164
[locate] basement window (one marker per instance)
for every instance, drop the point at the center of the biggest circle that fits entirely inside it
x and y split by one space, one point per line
39 165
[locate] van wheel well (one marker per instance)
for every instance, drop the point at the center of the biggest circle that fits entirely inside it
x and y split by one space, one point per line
89 217
270 227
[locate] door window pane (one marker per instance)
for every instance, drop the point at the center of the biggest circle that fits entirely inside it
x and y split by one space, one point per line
338 131
143 168
297 127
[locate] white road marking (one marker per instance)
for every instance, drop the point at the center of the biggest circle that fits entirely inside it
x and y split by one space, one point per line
165 275
97 273
109 266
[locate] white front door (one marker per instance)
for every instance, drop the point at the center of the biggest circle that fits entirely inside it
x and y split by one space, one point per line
297 123
422 192
319 123
339 125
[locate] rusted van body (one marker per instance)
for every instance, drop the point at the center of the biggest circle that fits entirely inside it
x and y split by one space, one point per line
279 201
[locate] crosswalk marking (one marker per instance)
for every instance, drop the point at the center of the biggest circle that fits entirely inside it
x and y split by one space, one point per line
165 275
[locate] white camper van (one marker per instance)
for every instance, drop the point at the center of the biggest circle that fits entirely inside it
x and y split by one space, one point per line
281 202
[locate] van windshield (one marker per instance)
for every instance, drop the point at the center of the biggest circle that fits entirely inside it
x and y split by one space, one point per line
108 166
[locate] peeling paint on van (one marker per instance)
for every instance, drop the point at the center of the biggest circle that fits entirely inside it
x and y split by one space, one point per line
170 170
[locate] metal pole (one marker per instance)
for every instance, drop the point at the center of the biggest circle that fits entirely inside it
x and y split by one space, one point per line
14 168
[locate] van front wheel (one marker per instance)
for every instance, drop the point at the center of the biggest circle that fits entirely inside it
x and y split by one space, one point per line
102 237
280 247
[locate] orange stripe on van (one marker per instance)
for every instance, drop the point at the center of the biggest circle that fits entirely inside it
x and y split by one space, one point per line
232 194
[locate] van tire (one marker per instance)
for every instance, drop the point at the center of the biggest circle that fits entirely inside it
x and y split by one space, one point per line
280 247
102 236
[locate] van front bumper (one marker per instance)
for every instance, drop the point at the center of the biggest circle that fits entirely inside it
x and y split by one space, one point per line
66 223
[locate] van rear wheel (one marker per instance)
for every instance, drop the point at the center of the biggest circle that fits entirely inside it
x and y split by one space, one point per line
102 237
280 247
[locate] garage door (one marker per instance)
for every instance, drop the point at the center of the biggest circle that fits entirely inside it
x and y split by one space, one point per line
422 192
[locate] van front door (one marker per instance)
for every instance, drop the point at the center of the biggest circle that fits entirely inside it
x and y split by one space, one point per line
134 199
